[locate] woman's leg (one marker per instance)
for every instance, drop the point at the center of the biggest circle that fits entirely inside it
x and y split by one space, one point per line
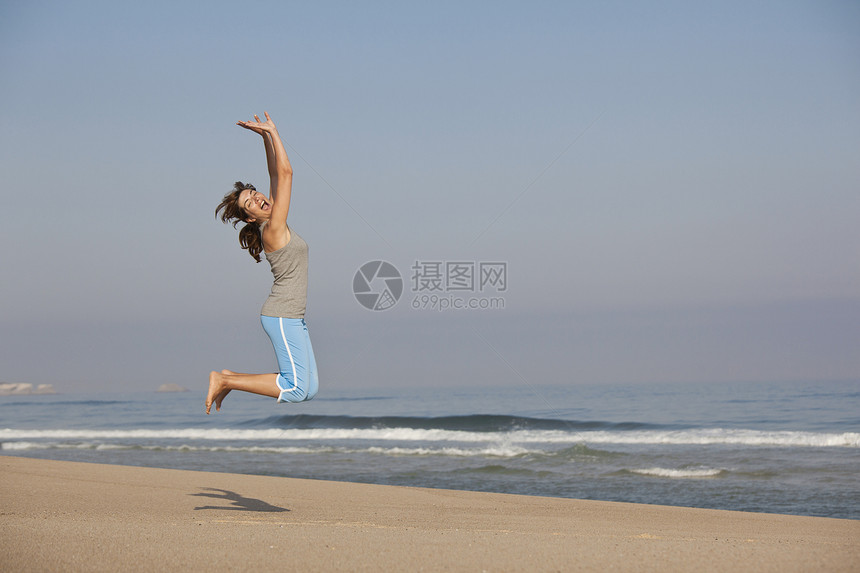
297 380
291 342
313 376
221 383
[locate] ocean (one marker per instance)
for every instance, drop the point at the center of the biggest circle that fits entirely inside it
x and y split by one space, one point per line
791 448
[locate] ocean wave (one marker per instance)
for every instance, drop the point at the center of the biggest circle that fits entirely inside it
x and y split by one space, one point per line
468 423
58 402
714 436
679 473
21 446
578 451
500 470
499 451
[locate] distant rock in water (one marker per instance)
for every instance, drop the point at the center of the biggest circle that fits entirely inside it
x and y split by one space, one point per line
171 388
25 389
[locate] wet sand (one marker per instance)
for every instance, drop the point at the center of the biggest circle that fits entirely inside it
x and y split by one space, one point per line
67 516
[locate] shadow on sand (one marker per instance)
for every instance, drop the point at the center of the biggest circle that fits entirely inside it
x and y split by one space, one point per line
237 502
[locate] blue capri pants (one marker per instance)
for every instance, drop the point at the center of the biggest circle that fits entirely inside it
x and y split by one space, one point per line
297 378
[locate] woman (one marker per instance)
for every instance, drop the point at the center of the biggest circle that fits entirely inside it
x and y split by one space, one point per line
283 313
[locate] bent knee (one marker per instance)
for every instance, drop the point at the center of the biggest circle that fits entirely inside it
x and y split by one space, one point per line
296 394
310 395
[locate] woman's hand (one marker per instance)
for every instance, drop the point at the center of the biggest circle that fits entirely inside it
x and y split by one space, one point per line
259 126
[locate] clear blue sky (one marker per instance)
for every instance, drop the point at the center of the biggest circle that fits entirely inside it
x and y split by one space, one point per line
673 186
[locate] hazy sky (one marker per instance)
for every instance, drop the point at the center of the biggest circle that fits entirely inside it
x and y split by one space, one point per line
673 186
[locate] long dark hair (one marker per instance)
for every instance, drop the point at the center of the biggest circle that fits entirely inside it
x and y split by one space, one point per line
250 236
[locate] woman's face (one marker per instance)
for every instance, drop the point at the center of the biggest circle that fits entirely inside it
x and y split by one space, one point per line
255 204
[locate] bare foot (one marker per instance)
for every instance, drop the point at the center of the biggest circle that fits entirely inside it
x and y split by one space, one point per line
223 394
217 391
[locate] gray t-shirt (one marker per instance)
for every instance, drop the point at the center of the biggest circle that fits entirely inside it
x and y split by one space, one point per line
290 289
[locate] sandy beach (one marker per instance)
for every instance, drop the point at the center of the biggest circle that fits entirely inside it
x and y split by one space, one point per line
65 516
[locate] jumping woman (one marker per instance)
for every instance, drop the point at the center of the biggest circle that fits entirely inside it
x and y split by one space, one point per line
283 314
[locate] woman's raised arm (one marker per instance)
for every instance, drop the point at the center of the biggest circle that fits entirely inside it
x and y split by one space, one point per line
280 178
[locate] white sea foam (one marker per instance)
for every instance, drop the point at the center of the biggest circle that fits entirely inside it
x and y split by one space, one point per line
675 473
12 446
716 436
499 451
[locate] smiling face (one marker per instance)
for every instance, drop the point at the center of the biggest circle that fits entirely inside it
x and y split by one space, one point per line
255 204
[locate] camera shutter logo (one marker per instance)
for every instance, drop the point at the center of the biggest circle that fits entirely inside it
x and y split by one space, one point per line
377 285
